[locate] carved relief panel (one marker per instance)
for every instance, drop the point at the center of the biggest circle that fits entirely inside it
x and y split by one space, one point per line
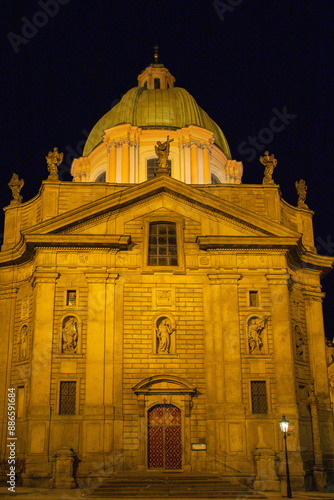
300 343
25 308
163 297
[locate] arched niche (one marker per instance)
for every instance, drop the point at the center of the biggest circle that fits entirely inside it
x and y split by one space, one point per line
70 334
164 334
256 334
23 343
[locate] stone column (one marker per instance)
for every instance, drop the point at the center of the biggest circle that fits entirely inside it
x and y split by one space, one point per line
125 162
223 364
319 474
109 392
285 370
283 344
44 284
112 163
7 312
194 164
95 357
206 166
229 306
317 346
93 423
118 372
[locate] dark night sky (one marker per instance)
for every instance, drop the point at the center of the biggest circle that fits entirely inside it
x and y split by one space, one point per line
239 65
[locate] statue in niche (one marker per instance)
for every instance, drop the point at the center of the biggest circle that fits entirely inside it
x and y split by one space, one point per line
300 342
70 335
255 329
23 343
269 163
164 329
16 185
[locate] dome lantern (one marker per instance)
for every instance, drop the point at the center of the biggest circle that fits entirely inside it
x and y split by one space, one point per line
156 76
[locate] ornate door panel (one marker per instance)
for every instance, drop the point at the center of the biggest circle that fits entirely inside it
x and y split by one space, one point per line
164 437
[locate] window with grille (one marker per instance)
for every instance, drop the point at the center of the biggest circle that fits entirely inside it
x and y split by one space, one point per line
259 397
162 247
253 299
152 166
67 398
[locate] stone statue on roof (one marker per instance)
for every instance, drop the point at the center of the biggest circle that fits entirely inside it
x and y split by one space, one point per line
301 191
269 163
16 185
53 160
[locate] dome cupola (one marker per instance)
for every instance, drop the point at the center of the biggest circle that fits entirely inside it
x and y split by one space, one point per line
121 146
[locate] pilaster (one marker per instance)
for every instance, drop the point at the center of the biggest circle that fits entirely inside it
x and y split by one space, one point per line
194 164
125 162
39 409
7 314
283 346
317 347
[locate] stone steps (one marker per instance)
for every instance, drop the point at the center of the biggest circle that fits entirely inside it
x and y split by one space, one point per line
171 486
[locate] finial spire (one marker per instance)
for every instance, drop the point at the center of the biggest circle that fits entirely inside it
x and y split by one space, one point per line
156 55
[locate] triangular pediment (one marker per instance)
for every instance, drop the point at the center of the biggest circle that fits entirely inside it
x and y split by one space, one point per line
161 194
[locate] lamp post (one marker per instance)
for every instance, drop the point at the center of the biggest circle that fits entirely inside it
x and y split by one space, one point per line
284 424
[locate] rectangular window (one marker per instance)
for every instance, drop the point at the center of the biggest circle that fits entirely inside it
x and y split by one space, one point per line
67 398
162 247
259 397
253 299
71 298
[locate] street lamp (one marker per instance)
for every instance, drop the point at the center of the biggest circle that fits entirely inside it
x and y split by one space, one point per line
284 424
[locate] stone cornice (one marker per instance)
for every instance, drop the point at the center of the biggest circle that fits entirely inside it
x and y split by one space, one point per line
30 242
246 242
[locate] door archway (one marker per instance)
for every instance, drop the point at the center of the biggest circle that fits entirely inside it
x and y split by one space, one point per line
164 437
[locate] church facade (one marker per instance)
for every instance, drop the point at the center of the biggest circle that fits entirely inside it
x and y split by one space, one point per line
158 314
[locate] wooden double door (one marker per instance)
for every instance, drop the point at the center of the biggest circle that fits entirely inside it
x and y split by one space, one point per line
164 437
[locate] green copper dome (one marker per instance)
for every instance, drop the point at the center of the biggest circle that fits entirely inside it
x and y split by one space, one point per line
171 108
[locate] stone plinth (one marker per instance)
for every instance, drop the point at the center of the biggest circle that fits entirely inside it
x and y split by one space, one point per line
319 478
266 478
62 471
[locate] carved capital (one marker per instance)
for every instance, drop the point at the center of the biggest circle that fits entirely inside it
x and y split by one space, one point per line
96 277
224 279
311 297
43 277
278 279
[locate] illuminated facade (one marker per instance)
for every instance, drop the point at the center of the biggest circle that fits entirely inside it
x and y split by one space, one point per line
163 322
